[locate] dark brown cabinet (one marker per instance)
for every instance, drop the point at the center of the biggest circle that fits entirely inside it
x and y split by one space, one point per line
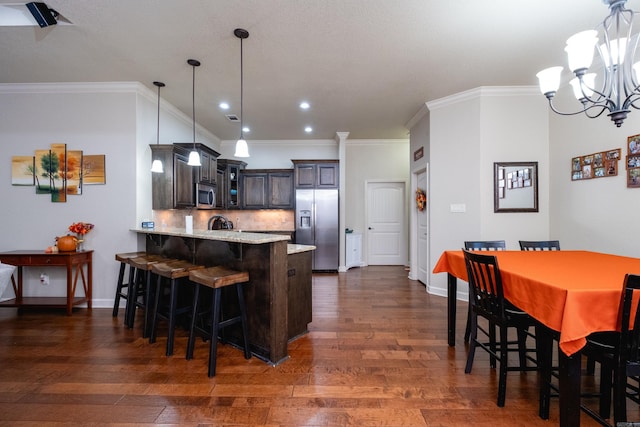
267 189
175 187
208 161
183 189
209 168
281 195
316 173
229 191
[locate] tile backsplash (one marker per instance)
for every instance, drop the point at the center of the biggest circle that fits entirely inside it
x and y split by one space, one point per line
249 220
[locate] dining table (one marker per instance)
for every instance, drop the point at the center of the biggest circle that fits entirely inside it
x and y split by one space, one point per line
572 294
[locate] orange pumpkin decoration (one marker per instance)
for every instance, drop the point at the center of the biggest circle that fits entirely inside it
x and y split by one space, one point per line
67 243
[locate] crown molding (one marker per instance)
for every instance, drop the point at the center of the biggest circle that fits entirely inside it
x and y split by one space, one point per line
479 92
92 87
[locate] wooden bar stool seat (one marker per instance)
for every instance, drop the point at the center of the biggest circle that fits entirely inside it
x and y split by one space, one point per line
174 271
140 277
217 278
123 259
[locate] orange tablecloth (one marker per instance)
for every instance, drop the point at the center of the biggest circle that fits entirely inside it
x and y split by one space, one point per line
572 292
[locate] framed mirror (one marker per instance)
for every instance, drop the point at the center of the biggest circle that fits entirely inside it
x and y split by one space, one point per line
515 187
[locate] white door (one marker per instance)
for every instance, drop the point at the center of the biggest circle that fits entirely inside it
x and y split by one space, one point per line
422 230
386 223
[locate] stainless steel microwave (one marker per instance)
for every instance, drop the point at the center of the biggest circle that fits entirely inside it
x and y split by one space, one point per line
205 196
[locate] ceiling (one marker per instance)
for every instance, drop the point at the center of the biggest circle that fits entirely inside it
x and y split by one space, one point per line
365 66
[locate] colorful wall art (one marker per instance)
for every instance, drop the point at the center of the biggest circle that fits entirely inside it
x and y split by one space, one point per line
58 172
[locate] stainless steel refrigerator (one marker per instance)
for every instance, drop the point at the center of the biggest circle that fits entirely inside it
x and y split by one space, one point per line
317 224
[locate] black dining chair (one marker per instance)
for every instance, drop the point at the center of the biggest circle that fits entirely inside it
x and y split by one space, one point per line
539 245
485 245
619 357
488 302
480 245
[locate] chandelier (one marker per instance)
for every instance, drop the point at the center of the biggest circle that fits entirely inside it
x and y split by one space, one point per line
617 88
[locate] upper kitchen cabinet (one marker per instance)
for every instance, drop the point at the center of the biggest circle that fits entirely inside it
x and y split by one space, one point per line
267 189
208 159
175 187
316 173
228 188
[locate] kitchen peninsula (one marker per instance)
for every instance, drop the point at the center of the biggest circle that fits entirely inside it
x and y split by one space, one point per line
278 294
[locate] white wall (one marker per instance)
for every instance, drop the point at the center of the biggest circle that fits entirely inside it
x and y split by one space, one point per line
278 154
596 214
514 128
469 132
369 160
114 119
420 138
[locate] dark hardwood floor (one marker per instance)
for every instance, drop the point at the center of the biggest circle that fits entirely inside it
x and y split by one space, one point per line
376 355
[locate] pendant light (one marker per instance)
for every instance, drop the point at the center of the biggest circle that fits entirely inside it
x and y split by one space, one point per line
156 166
194 156
242 150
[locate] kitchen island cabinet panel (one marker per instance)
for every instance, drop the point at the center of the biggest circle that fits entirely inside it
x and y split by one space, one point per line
269 294
299 300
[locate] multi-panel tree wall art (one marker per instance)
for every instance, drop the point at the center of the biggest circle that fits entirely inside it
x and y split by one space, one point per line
58 171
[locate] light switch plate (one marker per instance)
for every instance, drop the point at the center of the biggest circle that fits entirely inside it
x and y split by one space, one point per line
458 207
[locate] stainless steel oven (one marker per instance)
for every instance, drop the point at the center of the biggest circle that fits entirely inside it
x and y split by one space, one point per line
205 196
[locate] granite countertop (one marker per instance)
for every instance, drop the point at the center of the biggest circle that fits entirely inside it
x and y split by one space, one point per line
229 236
249 230
293 248
221 235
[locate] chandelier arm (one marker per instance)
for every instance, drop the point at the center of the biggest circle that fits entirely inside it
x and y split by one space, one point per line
585 110
631 101
598 114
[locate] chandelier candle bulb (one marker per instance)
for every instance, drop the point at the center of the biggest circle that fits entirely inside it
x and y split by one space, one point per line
549 80
580 50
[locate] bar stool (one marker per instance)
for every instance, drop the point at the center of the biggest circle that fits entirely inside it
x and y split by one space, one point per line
174 271
123 259
217 278
140 277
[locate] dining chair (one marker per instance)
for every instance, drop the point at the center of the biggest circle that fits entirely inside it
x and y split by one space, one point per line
539 245
619 357
487 301
485 245
480 245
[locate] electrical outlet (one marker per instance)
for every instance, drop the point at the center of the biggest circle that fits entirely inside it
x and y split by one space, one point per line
44 279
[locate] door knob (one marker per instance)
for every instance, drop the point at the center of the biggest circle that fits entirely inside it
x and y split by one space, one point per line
370 228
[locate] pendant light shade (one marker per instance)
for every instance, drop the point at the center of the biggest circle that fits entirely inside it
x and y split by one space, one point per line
156 166
242 150
194 156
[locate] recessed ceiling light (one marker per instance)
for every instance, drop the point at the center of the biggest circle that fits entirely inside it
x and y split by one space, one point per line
245 129
308 129
304 105
224 105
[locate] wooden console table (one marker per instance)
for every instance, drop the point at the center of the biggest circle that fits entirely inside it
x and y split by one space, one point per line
74 262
